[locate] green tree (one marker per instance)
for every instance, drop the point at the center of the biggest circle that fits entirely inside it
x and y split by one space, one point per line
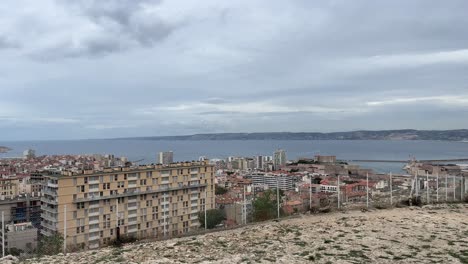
219 190
214 217
265 206
50 245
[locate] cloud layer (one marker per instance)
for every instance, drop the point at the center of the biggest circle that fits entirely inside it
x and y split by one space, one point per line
90 69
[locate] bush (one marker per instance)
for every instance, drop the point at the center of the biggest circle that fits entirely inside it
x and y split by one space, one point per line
219 190
214 217
123 240
50 245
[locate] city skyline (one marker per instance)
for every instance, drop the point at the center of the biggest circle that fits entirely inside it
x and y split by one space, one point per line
141 68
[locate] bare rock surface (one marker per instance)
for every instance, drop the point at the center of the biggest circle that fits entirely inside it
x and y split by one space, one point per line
431 234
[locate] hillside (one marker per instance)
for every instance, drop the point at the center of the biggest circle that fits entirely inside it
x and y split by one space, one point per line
432 234
4 149
406 134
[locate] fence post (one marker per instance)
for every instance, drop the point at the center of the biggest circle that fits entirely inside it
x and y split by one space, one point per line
391 190
461 189
427 187
338 191
310 193
64 229
446 187
277 196
367 190
454 188
3 234
437 187
206 197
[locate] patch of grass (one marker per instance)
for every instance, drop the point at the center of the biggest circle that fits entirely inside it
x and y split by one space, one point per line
300 243
357 254
462 256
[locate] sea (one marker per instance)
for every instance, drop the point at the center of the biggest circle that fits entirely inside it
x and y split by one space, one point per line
186 150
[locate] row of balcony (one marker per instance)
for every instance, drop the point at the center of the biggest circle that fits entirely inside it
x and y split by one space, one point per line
138 192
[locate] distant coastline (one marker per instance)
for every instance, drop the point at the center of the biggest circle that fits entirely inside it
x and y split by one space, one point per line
4 149
403 134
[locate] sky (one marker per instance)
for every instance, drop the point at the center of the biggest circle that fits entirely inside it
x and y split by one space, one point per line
76 69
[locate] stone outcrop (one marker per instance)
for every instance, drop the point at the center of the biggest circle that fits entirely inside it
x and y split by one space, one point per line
431 234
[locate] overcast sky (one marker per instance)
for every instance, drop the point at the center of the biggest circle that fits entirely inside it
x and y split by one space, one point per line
96 69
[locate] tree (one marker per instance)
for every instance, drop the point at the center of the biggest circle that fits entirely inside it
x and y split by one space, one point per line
214 217
265 206
50 245
219 190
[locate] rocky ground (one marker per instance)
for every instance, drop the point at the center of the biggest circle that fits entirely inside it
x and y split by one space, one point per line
431 234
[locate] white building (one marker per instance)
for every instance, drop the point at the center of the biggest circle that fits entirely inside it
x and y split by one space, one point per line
282 181
166 157
279 158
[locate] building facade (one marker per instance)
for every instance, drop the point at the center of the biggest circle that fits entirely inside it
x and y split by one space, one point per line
166 157
279 158
283 182
92 209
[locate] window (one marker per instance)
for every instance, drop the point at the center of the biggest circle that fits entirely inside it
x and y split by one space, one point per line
116 177
85 179
125 176
149 174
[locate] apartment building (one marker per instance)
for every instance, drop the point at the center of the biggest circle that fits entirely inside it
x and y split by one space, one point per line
273 181
279 158
93 208
166 157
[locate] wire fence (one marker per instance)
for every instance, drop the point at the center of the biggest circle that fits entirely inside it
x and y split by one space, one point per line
35 230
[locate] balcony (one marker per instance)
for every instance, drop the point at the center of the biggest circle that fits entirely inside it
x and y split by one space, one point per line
132 207
193 217
52 185
94 212
132 185
93 230
93 221
132 214
94 237
49 209
94 205
49 218
49 192
93 181
49 201
46 232
49 226
133 220
132 229
194 210
132 176
79 200
94 245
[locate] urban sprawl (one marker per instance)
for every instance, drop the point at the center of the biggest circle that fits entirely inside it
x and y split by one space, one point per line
91 201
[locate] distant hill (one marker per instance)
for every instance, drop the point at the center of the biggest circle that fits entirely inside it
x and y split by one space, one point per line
4 149
404 134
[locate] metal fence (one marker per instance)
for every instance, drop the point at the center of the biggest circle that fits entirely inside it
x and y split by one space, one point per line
23 235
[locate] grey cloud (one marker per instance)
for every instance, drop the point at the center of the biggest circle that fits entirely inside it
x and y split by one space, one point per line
178 67
6 43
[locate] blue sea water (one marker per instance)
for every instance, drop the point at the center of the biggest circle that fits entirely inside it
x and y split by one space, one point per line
191 150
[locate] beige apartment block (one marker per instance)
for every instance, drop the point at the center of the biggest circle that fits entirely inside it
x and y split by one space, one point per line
144 201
